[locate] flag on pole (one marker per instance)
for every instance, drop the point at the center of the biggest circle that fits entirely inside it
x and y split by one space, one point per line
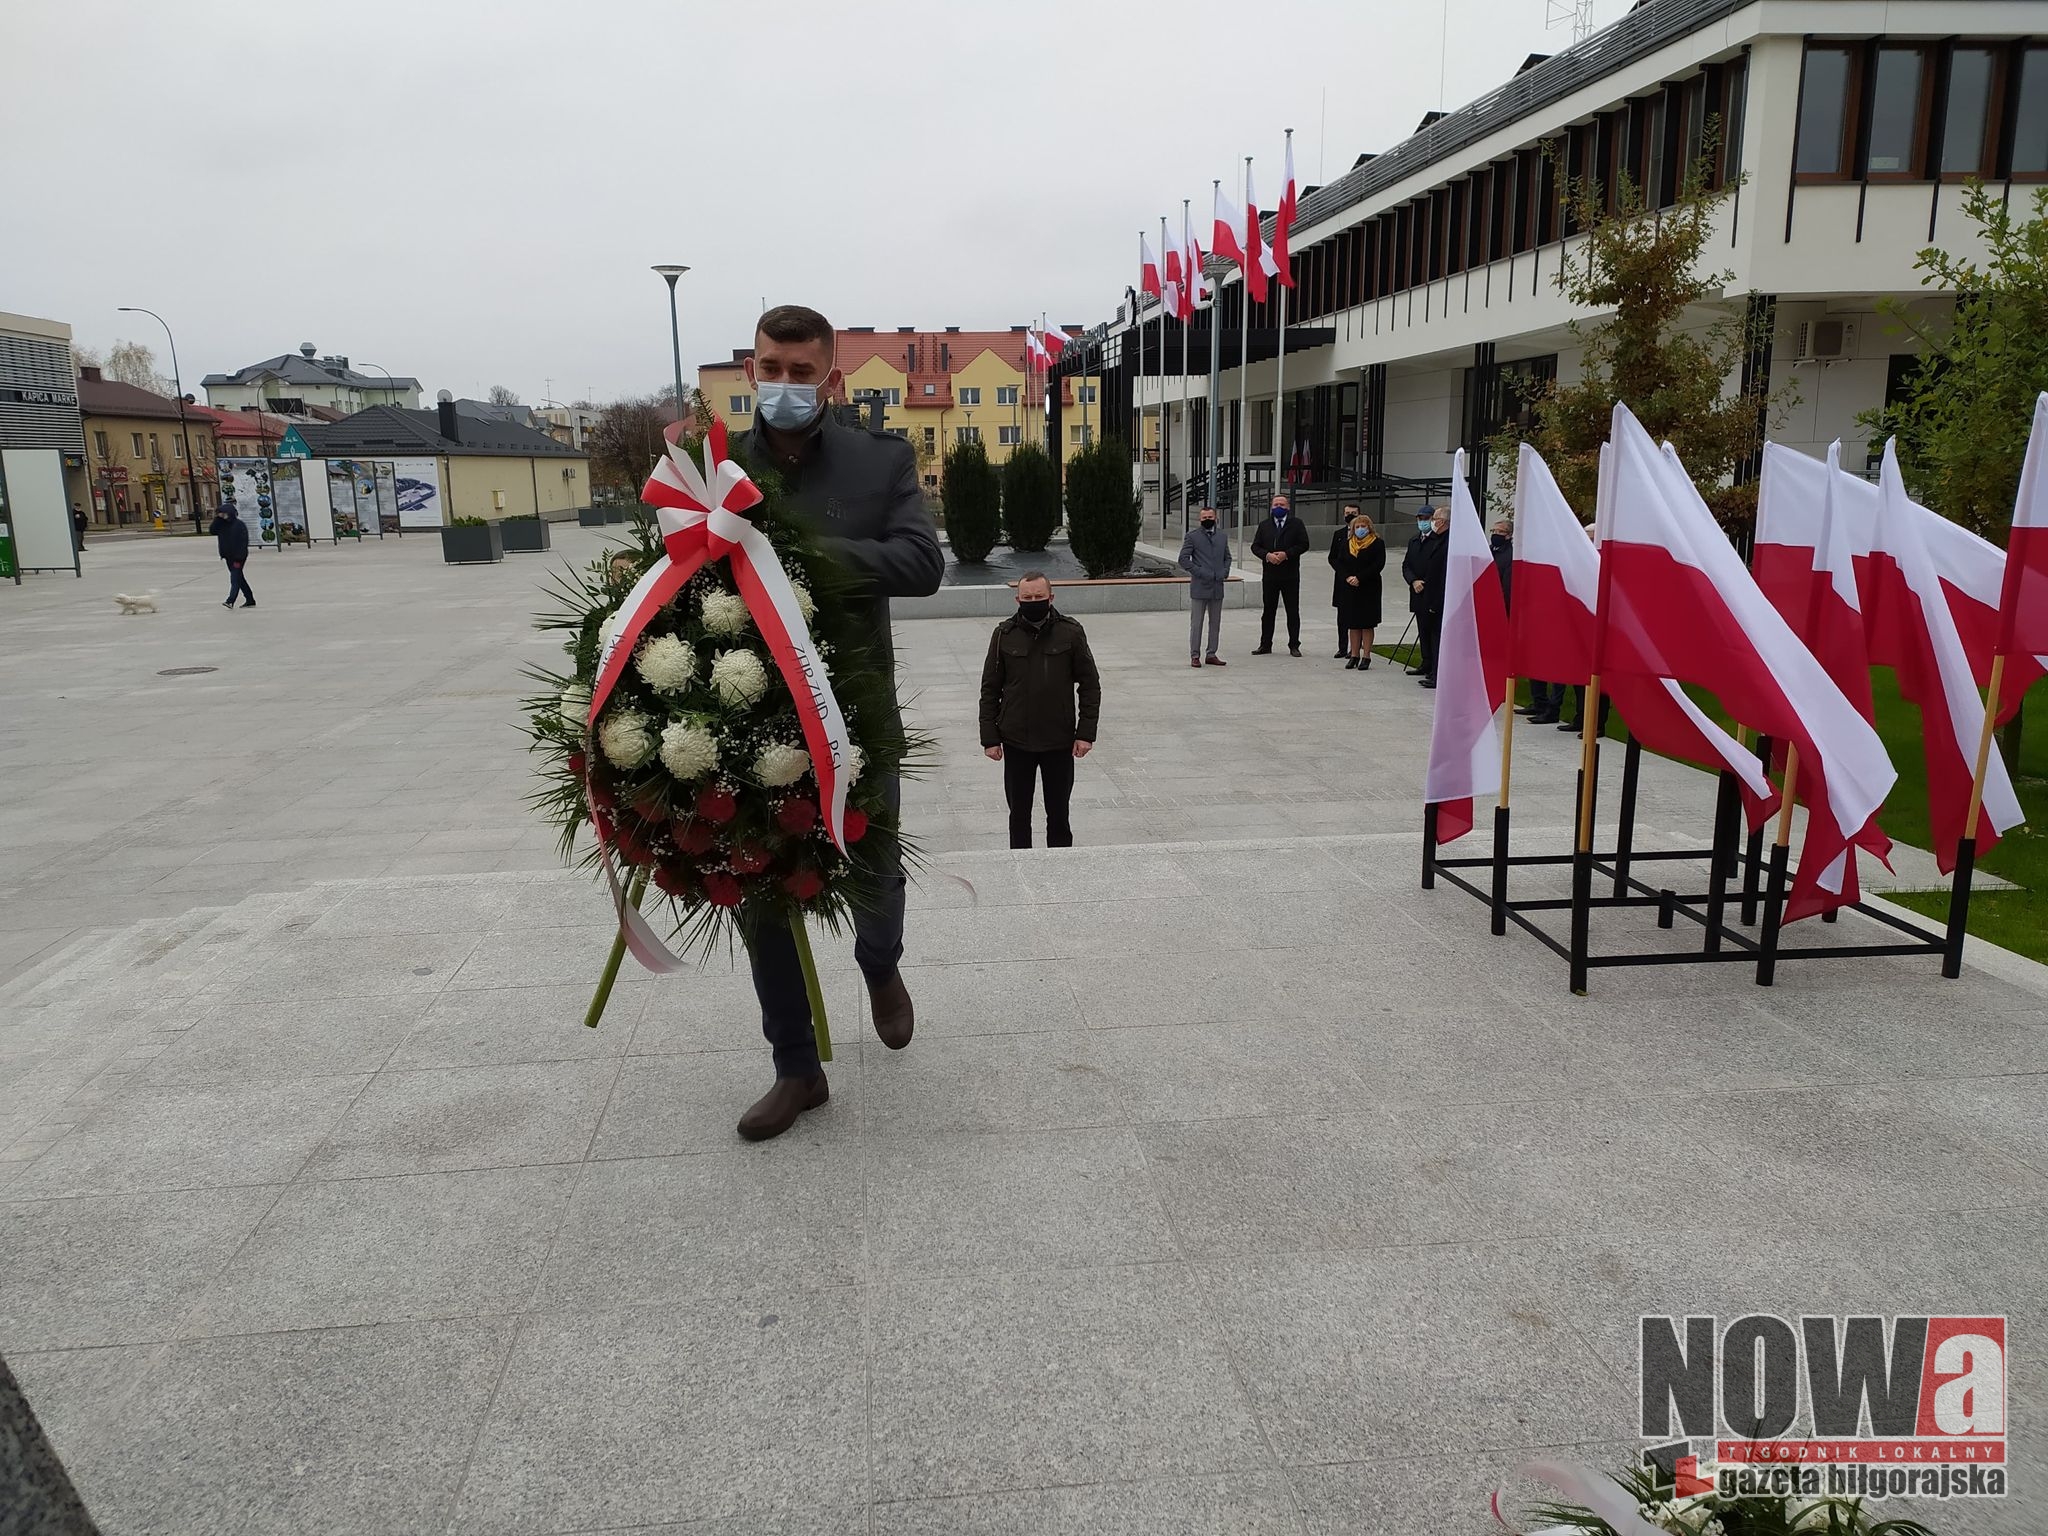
1680 604
1174 274
1471 672
2023 598
1283 221
1914 628
1034 354
1195 289
1052 343
1148 270
1223 236
1259 263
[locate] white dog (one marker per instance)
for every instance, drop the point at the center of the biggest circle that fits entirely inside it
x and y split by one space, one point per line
146 603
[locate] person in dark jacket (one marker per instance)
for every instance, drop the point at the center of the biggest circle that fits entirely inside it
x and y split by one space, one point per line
1425 568
1280 543
1038 661
1205 556
231 538
857 491
1358 557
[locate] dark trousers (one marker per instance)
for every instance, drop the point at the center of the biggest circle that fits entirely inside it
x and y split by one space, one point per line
1021 770
238 584
1279 589
1430 626
1579 704
779 975
1545 698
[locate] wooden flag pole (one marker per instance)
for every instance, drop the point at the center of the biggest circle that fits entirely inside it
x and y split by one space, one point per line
1774 894
1966 849
1588 760
1582 856
1507 743
1991 693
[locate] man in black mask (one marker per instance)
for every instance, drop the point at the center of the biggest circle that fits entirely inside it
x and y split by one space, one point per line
1205 556
1280 543
1038 661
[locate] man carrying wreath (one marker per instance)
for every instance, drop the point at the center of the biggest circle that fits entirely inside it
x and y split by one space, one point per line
857 492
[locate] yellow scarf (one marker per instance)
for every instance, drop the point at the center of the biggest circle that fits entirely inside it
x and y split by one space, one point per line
1359 546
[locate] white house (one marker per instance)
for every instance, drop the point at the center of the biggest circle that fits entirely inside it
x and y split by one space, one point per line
290 383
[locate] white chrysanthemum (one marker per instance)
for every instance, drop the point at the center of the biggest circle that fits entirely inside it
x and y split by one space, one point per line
724 613
626 738
688 751
608 628
575 705
779 765
738 677
856 762
805 603
668 663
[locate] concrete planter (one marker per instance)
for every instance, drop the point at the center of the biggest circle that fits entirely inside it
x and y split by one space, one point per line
472 545
590 517
524 535
615 514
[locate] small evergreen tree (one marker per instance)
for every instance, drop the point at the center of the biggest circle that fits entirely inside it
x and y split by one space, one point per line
1651 353
1031 498
1103 515
971 497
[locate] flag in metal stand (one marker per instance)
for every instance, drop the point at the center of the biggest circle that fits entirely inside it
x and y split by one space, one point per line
2023 600
1472 670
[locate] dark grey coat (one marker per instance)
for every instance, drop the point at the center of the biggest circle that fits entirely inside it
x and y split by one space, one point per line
1206 559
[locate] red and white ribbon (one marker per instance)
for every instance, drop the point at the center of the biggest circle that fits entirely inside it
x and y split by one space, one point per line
698 512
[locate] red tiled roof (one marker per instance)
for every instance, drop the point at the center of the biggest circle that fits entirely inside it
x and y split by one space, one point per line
240 424
962 348
110 397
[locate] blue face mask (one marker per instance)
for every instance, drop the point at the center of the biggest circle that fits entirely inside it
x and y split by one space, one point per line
786 407
1424 526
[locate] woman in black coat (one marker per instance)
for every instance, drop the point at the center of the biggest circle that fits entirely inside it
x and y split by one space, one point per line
1358 557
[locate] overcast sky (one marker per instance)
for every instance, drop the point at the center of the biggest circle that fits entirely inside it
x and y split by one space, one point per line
472 193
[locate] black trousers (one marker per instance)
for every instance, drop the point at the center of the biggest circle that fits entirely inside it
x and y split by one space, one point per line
1545 698
1021 771
1430 626
1279 589
238 584
779 975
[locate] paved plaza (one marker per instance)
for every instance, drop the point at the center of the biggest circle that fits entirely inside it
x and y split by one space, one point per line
1232 1183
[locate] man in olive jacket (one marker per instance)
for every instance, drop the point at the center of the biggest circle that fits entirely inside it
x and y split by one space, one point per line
1037 661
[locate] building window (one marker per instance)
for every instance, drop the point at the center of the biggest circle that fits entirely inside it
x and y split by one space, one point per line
1080 437
1827 105
902 432
1731 108
177 447
1006 394
1009 437
156 450
931 389
970 394
931 439
1968 114
2030 117
741 404
967 434
1897 118
99 441
136 439
1085 393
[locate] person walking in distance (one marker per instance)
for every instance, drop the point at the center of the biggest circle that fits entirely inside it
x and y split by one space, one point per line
1038 663
1205 556
1280 543
231 538
1424 568
1358 556
858 494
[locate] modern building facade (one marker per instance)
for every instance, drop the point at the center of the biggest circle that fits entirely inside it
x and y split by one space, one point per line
139 452
937 388
42 447
1426 275
290 383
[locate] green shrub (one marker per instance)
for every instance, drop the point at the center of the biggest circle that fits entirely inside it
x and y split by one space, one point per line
1031 498
970 496
470 522
1102 510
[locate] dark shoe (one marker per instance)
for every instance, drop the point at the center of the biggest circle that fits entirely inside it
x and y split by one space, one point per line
1214 661
249 605
1262 650
1294 650
1545 718
229 603
1526 709
895 1018
1365 662
776 1110
1567 725
1340 656
1429 682
1194 661
1351 665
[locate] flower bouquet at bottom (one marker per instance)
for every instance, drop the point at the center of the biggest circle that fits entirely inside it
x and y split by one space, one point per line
721 733
1633 1503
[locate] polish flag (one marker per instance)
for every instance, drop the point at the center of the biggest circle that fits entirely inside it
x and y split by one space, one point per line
1195 289
1148 270
1052 343
1260 265
1283 221
2023 600
1471 672
1551 627
1223 234
1175 281
1034 354
1678 603
1911 618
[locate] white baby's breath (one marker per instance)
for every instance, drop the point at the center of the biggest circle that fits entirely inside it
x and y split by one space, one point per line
668 663
738 677
688 750
724 613
626 738
778 765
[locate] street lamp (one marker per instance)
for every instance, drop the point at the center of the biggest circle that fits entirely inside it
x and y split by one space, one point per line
669 273
178 384
390 384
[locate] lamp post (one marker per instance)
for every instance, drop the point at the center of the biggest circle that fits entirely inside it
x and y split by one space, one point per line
390 384
177 384
669 273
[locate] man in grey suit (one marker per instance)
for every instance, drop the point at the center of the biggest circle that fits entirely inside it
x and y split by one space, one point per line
1205 556
858 492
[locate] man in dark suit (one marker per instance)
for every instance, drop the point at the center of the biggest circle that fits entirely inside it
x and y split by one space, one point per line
1424 568
857 491
1280 543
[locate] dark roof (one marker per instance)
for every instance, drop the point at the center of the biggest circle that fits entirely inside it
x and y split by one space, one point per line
110 397
297 368
385 429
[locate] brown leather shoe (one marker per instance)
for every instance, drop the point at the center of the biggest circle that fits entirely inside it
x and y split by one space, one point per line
895 1018
776 1110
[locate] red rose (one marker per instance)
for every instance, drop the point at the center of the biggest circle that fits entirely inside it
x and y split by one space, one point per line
648 804
693 837
856 825
796 817
717 806
672 880
721 890
629 847
577 763
749 859
601 794
804 884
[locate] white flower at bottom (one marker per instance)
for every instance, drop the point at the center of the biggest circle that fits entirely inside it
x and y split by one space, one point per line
575 705
688 750
668 664
778 765
724 613
625 738
738 677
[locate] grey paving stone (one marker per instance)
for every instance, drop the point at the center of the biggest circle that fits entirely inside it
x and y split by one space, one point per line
468 1029
712 1409
1005 1201
990 998
1409 1351
995 1382
538 957
1215 1070
191 1136
667 1105
678 1229
1140 989
1233 1504
353 1431
303 1038
388 1250
1447 1494
115 1269
452 1118
393 907
997 1082
315 968
718 1011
